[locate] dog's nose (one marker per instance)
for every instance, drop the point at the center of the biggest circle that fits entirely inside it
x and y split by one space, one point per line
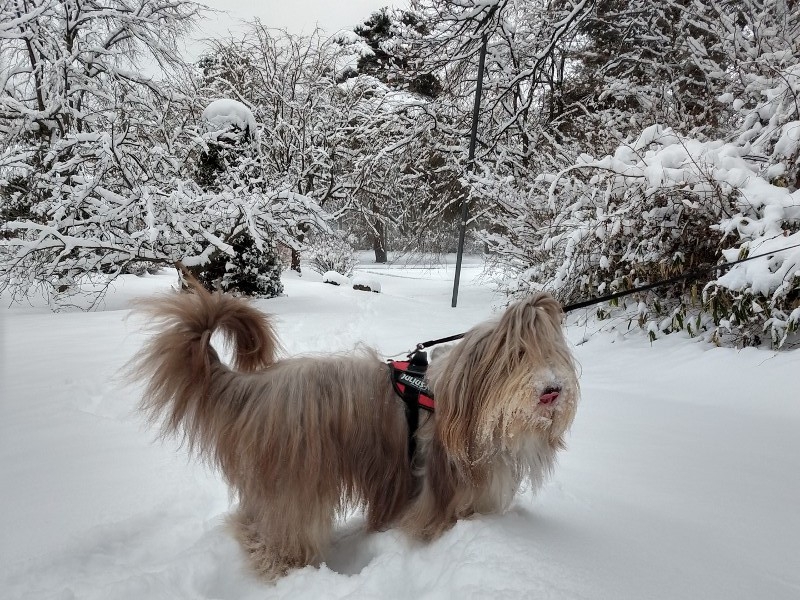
549 395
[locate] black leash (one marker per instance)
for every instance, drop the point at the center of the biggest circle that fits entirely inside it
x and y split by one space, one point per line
693 274
444 340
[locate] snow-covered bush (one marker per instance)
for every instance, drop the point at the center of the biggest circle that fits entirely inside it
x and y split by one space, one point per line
612 200
609 224
660 207
335 278
141 268
228 166
251 271
330 252
366 283
762 297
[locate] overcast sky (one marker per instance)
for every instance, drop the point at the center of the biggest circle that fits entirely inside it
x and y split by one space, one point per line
298 16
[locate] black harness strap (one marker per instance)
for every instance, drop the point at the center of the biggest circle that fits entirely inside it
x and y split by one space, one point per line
408 381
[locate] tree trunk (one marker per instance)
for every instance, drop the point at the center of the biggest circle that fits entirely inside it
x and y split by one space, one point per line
379 242
295 266
301 236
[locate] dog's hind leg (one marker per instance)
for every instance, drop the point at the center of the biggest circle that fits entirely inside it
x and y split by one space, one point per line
284 536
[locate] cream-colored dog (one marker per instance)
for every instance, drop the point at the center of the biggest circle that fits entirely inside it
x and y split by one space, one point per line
301 439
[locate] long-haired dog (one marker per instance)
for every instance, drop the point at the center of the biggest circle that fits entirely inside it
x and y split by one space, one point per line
300 440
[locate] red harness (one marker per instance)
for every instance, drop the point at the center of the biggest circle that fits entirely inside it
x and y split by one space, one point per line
408 381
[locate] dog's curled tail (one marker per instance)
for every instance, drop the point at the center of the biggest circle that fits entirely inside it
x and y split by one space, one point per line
178 361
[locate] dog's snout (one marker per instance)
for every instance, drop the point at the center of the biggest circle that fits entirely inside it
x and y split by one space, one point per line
549 395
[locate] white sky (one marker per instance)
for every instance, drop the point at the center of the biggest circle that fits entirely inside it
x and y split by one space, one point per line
298 16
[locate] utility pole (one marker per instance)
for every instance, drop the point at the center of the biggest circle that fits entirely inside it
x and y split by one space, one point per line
470 165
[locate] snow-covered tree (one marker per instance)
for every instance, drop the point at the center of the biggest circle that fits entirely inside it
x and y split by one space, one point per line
665 201
76 113
400 168
339 126
388 37
526 47
97 170
288 82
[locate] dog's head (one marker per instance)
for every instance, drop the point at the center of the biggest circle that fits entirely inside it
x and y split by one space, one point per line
506 383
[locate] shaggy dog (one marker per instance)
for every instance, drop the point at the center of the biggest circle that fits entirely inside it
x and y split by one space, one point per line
300 440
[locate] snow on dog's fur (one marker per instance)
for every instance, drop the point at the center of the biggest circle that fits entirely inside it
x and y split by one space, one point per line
301 439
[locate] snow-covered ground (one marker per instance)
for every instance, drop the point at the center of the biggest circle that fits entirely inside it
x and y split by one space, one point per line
681 479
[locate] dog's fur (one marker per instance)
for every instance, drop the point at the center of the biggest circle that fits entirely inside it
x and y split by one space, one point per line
301 439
